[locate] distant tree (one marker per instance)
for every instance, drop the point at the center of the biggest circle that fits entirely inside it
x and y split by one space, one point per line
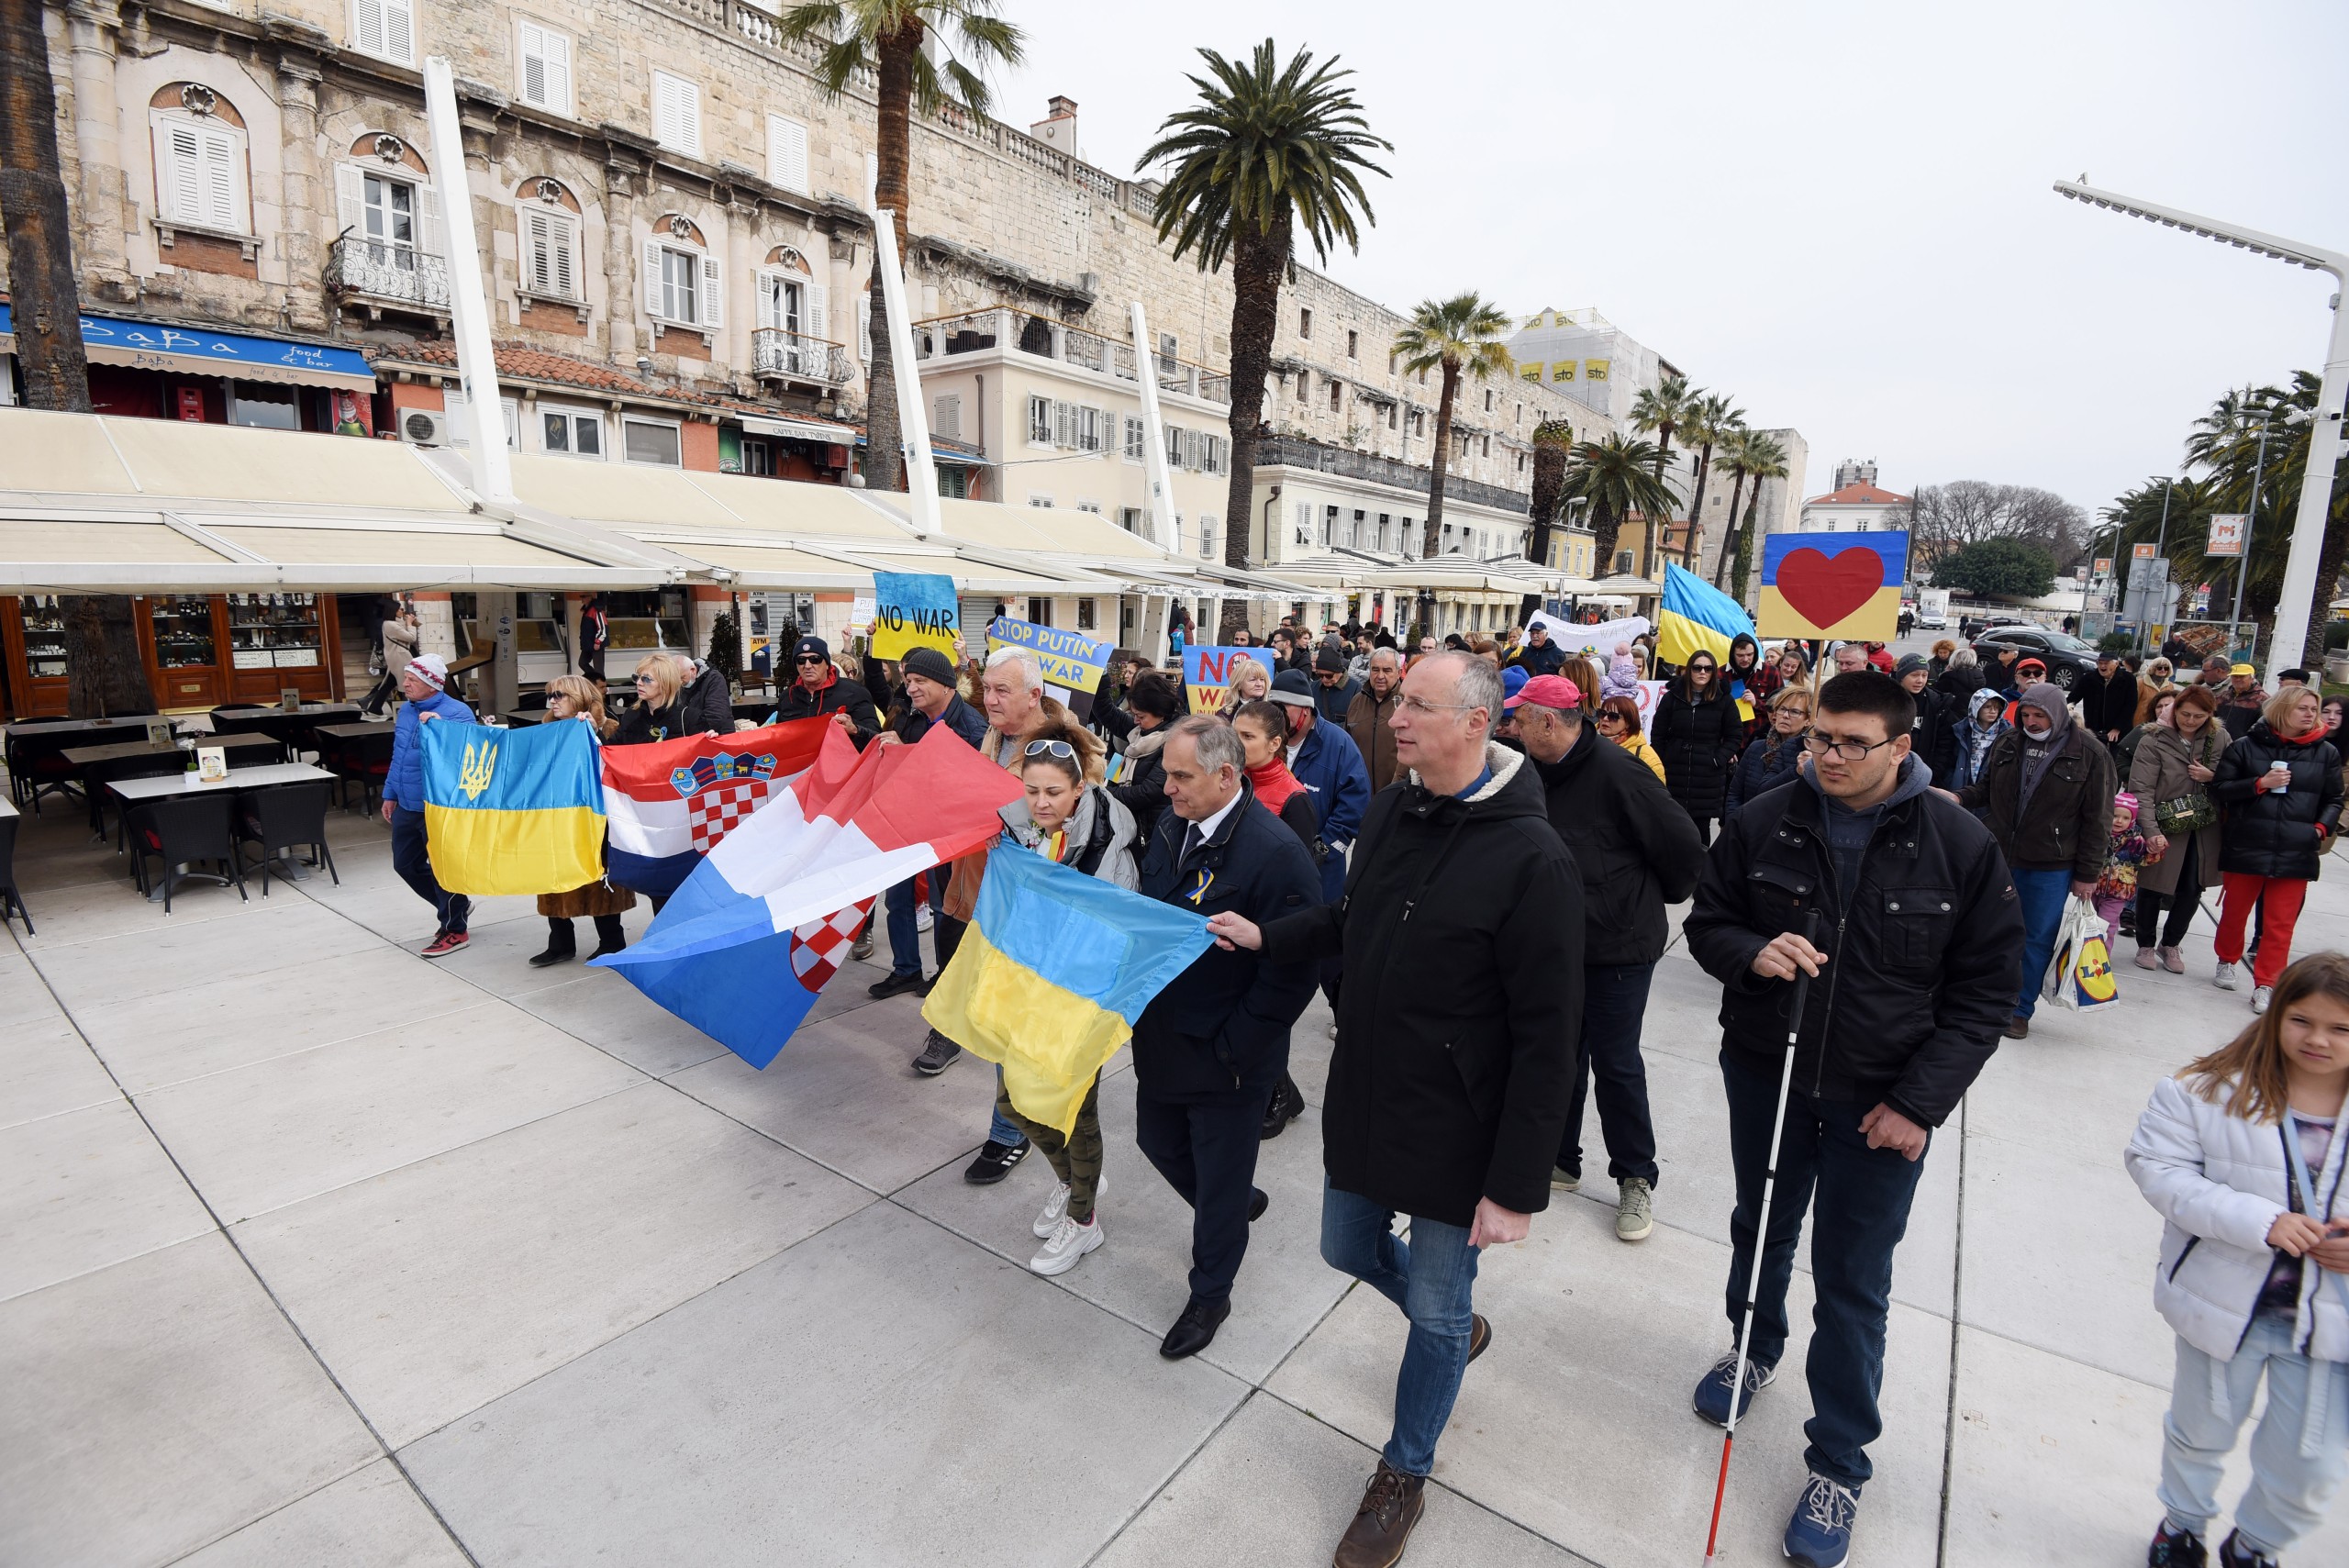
1752 456
1710 420
1658 411
1552 440
1462 337
1616 477
2000 568
726 645
1944 518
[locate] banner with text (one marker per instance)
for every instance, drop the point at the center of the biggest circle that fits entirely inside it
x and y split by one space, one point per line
1065 659
1599 640
914 609
1208 673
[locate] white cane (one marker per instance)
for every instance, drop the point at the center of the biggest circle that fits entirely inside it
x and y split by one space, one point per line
1762 1232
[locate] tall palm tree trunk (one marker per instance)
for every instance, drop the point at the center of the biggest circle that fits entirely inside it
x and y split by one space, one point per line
885 467
2328 573
1736 492
1739 572
1549 479
1439 461
1688 549
1656 526
32 203
1258 262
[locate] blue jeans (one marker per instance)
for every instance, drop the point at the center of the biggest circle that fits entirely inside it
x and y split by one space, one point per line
1863 1196
1614 1001
412 857
2294 1471
905 942
1431 1278
1002 1128
2043 894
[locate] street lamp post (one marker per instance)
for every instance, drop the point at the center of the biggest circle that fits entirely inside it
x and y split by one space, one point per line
2161 595
2294 607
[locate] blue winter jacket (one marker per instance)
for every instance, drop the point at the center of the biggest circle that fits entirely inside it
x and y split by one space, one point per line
403 786
1758 770
1330 768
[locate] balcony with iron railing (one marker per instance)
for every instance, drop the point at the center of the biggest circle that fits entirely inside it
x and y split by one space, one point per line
378 274
1299 451
1007 329
778 354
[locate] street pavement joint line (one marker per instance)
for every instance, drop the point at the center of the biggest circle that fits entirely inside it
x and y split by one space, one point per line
1956 1323
288 1317
1174 1474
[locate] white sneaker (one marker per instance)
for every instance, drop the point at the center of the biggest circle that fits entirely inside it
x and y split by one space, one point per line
2260 994
1067 1243
1048 1219
2224 978
922 920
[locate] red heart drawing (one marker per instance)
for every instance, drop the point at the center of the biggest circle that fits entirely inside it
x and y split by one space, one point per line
1824 589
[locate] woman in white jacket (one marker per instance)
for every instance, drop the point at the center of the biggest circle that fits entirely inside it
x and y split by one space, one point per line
2242 1154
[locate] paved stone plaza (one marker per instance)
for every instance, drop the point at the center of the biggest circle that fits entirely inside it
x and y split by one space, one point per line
312 1252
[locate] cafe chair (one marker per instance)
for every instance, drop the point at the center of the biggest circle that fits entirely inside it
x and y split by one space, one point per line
191 830
290 817
12 903
48 773
366 763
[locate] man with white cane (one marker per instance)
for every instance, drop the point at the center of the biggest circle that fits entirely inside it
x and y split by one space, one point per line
1914 973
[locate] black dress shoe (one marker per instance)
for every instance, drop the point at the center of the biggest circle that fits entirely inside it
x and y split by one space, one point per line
1286 1105
1258 1201
1195 1331
893 984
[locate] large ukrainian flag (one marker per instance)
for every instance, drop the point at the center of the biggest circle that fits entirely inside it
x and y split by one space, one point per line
1695 615
512 810
1052 973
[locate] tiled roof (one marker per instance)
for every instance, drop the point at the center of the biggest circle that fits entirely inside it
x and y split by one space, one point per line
525 363
1859 495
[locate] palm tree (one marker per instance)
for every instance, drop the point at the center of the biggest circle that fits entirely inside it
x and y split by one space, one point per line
888 40
1754 455
1463 336
1268 148
1660 410
32 204
1615 477
1552 440
1712 418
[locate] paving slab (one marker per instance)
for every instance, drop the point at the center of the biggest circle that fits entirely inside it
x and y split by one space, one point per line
1276 1487
855 1401
844 1093
46 1067
84 1190
156 1405
369 1518
179 954
1141 1271
1576 1423
435 1289
219 1025
2056 1463
290 1127
598 1007
111 905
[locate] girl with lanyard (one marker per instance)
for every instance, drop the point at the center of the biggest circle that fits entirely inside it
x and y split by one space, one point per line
1063 818
2242 1153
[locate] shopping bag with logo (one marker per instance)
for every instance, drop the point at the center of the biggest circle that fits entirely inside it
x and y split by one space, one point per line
2080 974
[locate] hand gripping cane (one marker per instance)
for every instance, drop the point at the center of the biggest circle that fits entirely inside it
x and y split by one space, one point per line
1761 1232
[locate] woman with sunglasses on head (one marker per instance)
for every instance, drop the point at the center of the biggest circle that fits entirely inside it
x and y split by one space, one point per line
1618 720
1697 731
659 712
1063 815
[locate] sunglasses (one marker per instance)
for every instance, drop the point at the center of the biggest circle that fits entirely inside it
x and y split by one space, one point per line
1060 748
810 659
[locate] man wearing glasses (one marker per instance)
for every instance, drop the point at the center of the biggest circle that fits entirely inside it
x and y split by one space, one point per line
1915 955
821 688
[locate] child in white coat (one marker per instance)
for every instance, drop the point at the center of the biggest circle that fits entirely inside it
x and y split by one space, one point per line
2242 1154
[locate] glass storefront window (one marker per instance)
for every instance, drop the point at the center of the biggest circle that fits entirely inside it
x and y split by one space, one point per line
182 627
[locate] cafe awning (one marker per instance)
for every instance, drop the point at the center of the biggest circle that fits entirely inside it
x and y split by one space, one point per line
201 350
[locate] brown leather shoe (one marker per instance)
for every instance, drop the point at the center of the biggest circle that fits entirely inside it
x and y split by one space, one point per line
2018 1027
1480 1334
1391 1505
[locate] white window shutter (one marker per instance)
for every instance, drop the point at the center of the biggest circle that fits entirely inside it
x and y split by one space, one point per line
179 180
713 312
652 277
367 25
768 288
864 329
429 238
219 206
399 30
531 39
815 311
565 235
350 198
786 154
538 252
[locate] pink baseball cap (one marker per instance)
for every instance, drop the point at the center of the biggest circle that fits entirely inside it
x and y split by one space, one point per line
1546 691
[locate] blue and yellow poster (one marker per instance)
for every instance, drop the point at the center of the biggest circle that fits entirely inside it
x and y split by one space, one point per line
1838 585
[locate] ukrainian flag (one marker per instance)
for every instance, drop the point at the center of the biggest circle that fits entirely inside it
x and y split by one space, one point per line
1052 973
1697 614
513 810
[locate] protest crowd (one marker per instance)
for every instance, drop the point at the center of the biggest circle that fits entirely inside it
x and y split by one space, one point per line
1474 850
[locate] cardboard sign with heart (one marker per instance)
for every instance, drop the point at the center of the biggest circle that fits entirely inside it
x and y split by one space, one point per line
1838 585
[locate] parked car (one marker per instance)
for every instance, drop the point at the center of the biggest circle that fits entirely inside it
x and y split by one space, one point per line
2067 659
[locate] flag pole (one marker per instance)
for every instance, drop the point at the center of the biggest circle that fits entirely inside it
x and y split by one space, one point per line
1761 1234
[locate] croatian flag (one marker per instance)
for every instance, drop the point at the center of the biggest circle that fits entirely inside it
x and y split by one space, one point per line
668 804
748 940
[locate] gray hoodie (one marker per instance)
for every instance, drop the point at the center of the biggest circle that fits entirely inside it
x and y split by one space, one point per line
1848 831
2048 699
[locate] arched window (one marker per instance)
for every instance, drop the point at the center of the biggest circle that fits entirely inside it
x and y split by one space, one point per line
202 180
790 299
547 221
683 284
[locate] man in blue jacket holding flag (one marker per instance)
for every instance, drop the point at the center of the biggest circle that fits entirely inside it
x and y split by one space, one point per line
422 683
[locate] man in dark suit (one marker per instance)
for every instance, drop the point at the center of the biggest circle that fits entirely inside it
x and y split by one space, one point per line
1210 1048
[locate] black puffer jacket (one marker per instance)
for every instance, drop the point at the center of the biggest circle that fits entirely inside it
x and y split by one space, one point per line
1636 848
1462 930
1922 961
1699 743
2271 834
842 696
1143 792
1220 1030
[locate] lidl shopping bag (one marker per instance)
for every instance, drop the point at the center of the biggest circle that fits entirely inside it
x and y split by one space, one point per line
2080 974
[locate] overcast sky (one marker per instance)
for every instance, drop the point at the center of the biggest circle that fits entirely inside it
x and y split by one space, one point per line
1839 213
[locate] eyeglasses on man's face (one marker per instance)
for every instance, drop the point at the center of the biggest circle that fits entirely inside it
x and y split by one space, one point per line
1848 751
807 659
1425 708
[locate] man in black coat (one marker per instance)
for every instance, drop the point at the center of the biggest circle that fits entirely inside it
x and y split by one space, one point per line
1463 927
1914 959
2109 699
931 699
819 687
1209 1048
1636 851
1539 655
1930 738
1154 701
702 694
